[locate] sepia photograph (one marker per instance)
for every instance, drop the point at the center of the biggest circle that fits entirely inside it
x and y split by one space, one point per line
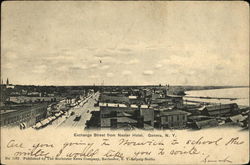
141 76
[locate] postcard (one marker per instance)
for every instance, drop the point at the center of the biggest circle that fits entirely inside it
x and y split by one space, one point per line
124 82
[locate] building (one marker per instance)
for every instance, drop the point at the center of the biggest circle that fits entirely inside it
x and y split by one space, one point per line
219 110
137 101
237 118
161 102
8 85
206 123
117 116
24 116
176 100
94 121
172 100
171 119
28 99
114 99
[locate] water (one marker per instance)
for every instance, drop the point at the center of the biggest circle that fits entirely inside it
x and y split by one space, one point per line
241 93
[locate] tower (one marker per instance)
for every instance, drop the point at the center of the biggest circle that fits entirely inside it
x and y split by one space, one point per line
7 81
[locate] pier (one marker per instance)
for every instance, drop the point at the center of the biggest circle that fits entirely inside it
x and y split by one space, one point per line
218 98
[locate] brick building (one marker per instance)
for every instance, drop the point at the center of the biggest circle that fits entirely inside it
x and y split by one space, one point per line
24 116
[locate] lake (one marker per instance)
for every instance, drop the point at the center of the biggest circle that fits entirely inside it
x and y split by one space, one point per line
241 93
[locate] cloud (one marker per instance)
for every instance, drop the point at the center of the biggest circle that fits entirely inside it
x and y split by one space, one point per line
104 67
158 66
60 57
8 65
111 48
100 55
153 47
148 72
94 76
93 66
79 67
104 52
91 49
39 69
62 68
219 67
11 55
126 72
133 61
104 60
109 74
153 42
69 66
125 50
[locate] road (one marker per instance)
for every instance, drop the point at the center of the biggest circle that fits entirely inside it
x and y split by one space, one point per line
83 109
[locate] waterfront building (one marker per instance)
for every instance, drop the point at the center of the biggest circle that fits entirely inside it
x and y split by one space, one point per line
206 123
170 100
169 119
220 109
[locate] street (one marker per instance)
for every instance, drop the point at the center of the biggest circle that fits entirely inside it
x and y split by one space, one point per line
83 110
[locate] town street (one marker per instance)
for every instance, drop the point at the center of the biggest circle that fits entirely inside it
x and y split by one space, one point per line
84 110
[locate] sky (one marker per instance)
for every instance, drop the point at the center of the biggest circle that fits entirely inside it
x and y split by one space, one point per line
125 43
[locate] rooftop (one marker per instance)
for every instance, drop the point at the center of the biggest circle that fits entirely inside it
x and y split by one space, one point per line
132 97
220 106
173 112
23 107
7 111
114 99
102 104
